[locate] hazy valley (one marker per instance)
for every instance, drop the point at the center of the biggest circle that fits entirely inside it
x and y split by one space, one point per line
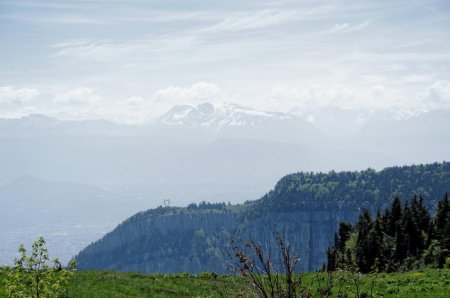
73 181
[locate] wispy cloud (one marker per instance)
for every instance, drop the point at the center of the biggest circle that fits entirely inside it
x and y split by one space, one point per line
347 27
65 19
105 50
45 4
96 13
248 21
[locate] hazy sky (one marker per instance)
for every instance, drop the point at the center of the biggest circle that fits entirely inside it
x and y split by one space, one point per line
130 60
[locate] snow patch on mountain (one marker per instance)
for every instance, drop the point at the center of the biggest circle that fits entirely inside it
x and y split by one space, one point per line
217 115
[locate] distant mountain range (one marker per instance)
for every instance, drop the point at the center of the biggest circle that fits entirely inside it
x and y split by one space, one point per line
213 152
330 120
226 120
217 116
393 136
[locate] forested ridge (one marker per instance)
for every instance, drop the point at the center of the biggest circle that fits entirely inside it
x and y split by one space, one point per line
369 188
306 208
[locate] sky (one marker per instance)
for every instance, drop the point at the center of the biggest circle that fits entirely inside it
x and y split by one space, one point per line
129 61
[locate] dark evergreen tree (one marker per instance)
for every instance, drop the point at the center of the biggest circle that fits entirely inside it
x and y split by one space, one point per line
420 214
331 259
344 232
442 219
442 228
395 218
364 259
412 233
421 220
376 246
337 254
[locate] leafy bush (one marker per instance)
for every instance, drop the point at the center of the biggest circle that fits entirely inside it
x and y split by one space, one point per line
32 276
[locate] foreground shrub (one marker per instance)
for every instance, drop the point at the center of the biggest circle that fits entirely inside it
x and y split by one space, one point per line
32 276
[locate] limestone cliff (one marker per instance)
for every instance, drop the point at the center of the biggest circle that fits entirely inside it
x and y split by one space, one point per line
304 208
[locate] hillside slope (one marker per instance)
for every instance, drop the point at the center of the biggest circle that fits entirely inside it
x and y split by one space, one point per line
304 207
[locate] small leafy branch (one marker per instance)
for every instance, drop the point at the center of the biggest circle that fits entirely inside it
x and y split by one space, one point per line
32 276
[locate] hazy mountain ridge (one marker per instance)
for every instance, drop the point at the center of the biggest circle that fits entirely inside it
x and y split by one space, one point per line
214 119
146 164
304 207
215 116
40 125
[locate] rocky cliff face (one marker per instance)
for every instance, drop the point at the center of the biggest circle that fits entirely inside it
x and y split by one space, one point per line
180 241
304 208
309 232
163 240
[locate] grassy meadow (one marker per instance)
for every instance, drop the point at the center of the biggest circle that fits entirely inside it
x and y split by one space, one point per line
424 283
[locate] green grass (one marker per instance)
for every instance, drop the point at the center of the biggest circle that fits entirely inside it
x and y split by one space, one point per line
433 283
114 284
427 283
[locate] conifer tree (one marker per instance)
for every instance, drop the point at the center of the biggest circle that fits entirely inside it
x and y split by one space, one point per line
441 219
345 230
421 220
363 254
376 243
395 217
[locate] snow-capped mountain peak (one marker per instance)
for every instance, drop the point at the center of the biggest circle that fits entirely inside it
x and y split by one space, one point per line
216 116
